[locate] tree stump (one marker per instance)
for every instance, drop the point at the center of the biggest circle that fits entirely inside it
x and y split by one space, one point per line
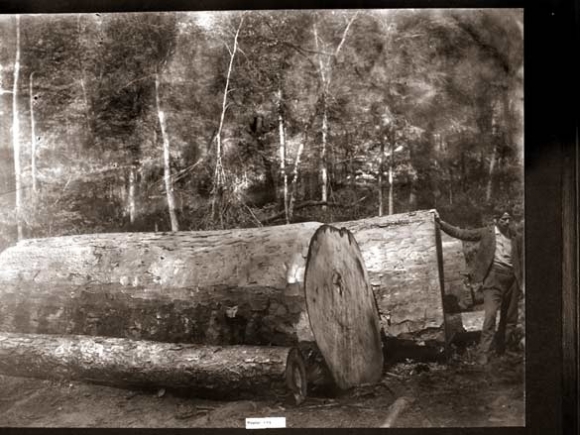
210 371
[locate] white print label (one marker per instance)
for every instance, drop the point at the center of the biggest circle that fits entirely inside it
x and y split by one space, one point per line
266 423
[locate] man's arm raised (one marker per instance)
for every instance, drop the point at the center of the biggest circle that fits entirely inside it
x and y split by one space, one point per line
459 233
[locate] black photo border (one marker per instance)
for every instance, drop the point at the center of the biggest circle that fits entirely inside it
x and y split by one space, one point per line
551 194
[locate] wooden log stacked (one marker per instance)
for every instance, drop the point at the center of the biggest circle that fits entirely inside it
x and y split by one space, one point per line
242 287
215 287
210 371
238 287
400 254
408 278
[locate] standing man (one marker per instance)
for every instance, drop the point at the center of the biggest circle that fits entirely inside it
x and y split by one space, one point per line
498 265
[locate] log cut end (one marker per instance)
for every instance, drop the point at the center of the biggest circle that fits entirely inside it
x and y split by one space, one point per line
342 309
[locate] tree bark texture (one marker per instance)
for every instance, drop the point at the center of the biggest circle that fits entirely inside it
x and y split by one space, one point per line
234 286
211 371
217 287
399 253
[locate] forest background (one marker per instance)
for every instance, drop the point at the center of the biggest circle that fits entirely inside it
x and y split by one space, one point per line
215 120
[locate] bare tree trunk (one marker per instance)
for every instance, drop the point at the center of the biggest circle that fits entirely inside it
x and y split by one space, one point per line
412 198
450 193
489 189
321 65
391 193
132 204
391 176
32 137
166 161
326 77
295 174
450 184
381 170
323 165
219 174
16 133
283 154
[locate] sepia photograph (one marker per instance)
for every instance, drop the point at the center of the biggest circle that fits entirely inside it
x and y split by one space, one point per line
263 219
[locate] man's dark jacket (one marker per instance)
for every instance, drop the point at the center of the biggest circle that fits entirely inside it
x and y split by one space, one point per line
486 250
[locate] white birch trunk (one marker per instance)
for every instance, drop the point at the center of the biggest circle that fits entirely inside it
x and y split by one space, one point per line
320 62
412 199
166 161
325 77
391 206
32 137
381 170
219 171
283 154
16 133
324 168
132 205
295 174
489 189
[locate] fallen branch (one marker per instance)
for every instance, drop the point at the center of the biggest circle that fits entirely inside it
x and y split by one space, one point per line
313 204
392 375
325 406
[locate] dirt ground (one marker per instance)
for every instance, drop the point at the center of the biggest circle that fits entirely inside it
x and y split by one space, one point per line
457 393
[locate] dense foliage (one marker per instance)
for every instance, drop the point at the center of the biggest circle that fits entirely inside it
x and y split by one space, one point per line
385 111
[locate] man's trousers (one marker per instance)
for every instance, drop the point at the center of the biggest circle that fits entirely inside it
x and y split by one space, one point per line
500 292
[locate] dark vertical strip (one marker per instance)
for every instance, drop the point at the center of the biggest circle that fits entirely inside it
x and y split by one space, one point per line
570 289
571 263
550 76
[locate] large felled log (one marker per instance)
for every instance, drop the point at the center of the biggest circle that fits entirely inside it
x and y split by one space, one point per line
157 272
400 254
104 270
216 287
222 372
